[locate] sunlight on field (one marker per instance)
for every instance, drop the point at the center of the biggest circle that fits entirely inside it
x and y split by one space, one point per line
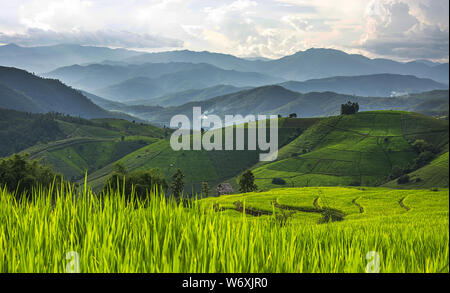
408 229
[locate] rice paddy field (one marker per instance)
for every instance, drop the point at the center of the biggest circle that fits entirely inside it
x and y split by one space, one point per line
330 230
357 150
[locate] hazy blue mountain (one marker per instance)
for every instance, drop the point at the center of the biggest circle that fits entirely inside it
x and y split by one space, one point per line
257 59
205 76
426 62
97 76
183 97
277 100
378 85
304 65
223 61
321 63
24 91
46 58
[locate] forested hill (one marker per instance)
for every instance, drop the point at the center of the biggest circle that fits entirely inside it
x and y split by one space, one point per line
23 91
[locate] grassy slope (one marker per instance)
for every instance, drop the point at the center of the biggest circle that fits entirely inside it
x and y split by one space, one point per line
352 150
434 174
211 166
91 147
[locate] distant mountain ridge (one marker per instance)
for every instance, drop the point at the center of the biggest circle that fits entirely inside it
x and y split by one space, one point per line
46 58
97 76
376 85
204 76
304 65
276 100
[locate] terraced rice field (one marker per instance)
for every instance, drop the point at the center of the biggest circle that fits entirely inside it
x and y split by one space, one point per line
352 203
353 150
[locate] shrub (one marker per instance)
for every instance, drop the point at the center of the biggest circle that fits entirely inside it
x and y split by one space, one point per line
21 174
141 181
421 146
205 189
423 158
403 179
177 185
355 183
397 172
278 181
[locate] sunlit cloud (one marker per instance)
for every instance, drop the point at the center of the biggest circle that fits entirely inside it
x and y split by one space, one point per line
398 29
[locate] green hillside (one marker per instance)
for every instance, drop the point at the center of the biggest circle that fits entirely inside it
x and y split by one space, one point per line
88 145
359 149
432 175
19 130
210 166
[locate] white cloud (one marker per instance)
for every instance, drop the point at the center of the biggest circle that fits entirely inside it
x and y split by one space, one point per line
110 38
394 31
399 29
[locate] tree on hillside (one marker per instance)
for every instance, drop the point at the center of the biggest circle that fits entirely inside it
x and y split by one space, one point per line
421 146
247 182
205 189
142 182
177 185
349 108
18 173
119 168
293 115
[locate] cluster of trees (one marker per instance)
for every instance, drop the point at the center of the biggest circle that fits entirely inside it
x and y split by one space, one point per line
20 175
426 153
141 182
349 108
19 130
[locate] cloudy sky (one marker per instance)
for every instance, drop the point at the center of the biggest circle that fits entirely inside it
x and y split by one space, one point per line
397 29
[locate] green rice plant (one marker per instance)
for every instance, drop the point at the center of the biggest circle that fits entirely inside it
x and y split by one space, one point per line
157 235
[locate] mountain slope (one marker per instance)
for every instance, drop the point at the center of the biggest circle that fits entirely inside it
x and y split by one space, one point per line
46 58
224 61
378 85
97 76
304 65
46 95
15 100
277 100
206 76
432 175
183 97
